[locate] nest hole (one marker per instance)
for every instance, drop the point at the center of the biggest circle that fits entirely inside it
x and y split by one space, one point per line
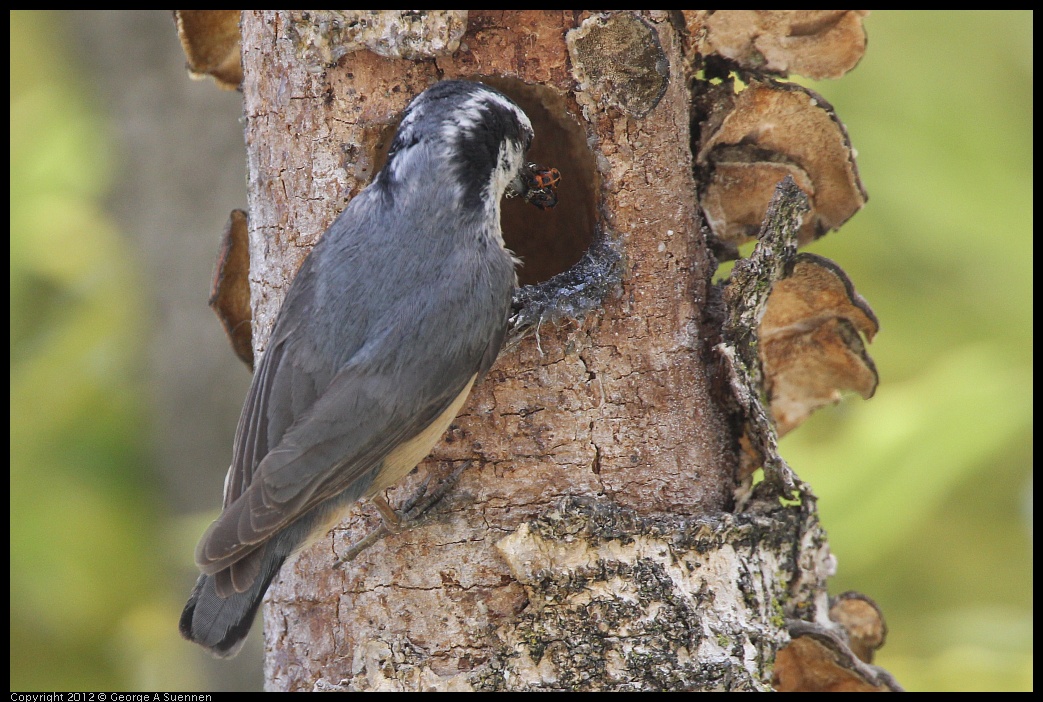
551 241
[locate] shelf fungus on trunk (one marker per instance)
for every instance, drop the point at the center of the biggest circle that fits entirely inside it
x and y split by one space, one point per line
751 140
814 43
811 341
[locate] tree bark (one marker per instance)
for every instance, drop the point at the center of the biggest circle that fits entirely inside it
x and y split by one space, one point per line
588 544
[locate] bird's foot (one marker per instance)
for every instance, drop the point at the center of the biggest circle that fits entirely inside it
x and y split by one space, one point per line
413 509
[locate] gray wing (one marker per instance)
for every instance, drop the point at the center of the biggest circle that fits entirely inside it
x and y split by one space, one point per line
336 442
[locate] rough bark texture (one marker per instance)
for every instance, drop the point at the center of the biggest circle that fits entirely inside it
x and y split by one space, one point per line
614 409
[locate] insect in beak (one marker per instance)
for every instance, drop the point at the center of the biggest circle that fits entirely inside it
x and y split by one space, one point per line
537 185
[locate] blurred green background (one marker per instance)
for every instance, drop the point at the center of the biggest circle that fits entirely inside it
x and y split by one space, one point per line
926 490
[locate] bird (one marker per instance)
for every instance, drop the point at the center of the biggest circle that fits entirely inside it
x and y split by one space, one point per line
396 313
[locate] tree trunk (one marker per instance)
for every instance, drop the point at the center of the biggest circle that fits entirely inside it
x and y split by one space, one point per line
588 543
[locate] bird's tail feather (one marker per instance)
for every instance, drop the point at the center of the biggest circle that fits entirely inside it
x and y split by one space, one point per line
222 623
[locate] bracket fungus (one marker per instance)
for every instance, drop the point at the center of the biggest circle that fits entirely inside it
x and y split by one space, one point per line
814 43
811 341
210 40
751 140
836 655
863 622
230 289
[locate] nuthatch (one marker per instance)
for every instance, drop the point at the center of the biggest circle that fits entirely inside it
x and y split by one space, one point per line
394 316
